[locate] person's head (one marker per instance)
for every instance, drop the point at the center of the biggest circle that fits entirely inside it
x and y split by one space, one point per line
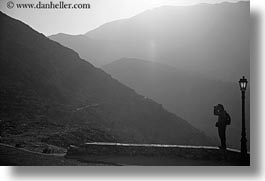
218 109
221 107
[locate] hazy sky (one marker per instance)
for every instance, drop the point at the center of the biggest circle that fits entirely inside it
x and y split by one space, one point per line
80 21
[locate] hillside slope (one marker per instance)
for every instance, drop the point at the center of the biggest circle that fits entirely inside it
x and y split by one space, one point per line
49 94
209 39
191 96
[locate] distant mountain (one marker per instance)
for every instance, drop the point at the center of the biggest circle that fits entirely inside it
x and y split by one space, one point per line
190 96
209 39
49 94
97 52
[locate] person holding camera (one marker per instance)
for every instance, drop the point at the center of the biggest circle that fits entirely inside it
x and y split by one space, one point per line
223 120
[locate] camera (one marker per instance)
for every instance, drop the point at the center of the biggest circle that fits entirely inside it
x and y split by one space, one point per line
217 109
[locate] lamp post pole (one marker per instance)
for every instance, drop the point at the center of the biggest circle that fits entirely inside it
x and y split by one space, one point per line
243 131
243 86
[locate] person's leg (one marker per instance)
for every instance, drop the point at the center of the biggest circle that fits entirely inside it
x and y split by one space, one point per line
221 131
222 136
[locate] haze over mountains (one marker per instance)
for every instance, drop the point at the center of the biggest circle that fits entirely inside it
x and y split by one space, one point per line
198 52
192 97
49 94
206 39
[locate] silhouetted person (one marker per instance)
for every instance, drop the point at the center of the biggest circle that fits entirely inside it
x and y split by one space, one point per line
223 120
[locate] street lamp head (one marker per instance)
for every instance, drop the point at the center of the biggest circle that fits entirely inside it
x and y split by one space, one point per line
243 83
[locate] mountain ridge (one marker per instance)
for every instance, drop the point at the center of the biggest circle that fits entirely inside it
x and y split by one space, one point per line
190 96
43 84
206 39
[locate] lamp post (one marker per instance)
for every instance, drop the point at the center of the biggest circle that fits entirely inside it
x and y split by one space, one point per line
243 86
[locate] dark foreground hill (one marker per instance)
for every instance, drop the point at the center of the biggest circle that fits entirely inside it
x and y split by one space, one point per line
48 94
191 96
